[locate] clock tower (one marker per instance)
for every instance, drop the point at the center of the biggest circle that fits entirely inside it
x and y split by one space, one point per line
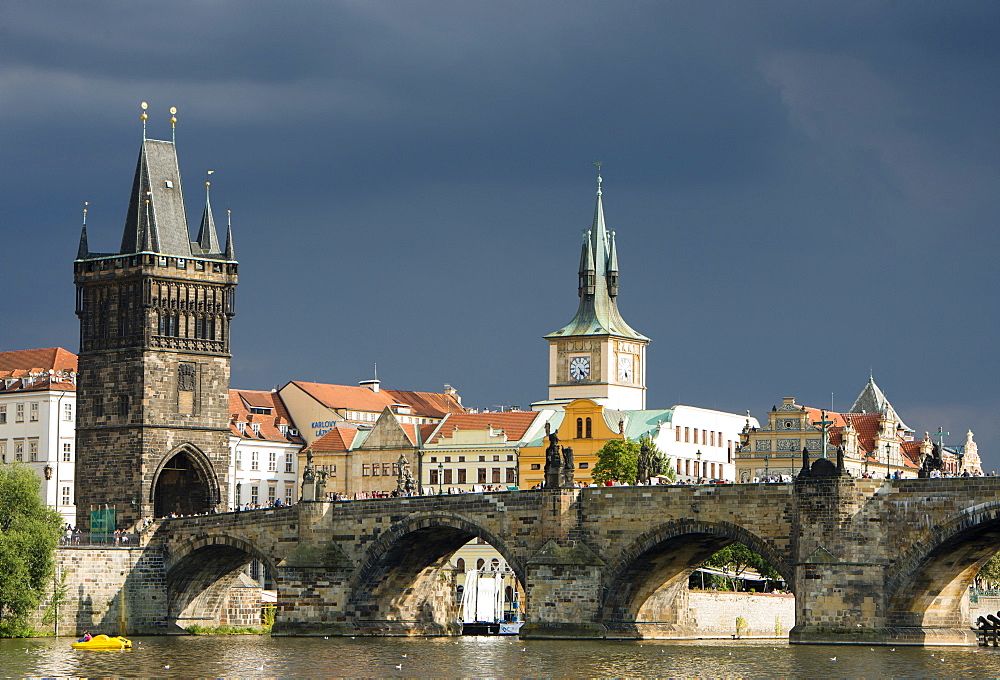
152 434
597 355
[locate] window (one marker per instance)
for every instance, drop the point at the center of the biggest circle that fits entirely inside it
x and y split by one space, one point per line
366 470
434 477
460 564
66 495
461 459
579 428
34 412
272 494
511 475
68 413
687 434
480 563
536 466
590 434
239 461
254 464
481 476
67 452
18 413
447 476
677 434
461 476
3 415
496 476
584 466
482 459
510 458
447 459
375 470
3 451
434 459
386 469
19 450
288 494
272 466
254 491
288 462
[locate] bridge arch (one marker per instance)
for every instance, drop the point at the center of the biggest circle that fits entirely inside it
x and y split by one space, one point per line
641 583
201 572
925 587
399 585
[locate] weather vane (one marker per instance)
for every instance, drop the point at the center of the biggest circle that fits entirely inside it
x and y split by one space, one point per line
173 124
598 164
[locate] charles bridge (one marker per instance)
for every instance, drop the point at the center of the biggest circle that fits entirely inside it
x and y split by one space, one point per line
868 560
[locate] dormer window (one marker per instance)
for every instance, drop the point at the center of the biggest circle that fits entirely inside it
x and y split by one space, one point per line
242 427
255 427
169 184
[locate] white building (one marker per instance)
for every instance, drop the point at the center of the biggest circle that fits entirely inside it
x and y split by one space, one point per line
264 450
701 443
38 420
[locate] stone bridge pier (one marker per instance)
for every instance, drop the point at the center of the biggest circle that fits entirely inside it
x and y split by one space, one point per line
869 561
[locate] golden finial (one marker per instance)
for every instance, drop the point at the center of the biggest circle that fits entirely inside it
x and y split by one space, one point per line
173 124
85 204
144 116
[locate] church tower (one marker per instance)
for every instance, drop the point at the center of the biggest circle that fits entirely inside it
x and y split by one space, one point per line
597 355
153 397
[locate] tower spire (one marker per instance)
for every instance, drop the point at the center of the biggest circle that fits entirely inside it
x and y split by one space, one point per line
83 251
230 254
208 237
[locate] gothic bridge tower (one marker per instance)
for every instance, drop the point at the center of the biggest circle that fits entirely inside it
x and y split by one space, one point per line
597 355
153 398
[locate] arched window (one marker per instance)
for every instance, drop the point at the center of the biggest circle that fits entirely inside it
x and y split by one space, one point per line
579 428
480 562
460 564
495 564
590 432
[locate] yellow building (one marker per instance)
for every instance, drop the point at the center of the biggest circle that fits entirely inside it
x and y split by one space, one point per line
582 425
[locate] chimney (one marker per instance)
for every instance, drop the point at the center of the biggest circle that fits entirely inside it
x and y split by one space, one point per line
373 384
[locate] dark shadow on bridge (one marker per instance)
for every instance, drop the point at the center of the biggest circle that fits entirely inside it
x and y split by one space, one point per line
645 589
406 587
201 575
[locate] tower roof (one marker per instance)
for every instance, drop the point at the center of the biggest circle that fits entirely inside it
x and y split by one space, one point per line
159 225
598 312
873 400
208 237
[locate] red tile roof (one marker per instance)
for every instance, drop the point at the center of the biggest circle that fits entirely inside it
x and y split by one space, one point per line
337 439
867 427
240 402
428 404
513 423
35 364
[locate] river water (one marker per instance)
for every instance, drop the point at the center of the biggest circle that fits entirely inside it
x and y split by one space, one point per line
253 656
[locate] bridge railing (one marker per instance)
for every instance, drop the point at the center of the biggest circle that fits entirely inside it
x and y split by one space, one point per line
102 539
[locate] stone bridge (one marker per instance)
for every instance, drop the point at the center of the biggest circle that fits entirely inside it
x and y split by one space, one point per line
869 560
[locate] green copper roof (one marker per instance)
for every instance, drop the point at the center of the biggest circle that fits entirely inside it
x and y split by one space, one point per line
598 312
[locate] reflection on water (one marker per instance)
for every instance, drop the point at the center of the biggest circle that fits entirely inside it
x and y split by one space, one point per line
472 657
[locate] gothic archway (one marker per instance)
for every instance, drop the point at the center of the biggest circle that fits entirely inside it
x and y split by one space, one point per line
184 484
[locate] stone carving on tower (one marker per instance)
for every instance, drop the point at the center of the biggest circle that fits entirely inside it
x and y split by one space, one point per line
153 398
597 355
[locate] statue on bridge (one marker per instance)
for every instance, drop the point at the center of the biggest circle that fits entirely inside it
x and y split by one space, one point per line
566 478
931 462
553 462
405 485
642 464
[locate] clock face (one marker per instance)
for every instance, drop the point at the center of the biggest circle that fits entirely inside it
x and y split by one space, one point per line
579 368
625 369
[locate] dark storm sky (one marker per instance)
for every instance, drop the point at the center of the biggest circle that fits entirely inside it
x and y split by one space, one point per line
802 192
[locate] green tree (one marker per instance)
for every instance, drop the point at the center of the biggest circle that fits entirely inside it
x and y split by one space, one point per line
737 558
616 462
989 574
29 533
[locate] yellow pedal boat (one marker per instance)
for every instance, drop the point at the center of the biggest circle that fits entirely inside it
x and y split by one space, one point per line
104 642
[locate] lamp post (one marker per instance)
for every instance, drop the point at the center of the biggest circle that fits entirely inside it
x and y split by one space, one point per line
767 469
698 470
440 478
888 451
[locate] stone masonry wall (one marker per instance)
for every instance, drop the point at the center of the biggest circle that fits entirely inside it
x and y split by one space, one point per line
713 614
97 578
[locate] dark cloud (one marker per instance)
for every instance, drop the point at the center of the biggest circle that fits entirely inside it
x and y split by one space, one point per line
802 191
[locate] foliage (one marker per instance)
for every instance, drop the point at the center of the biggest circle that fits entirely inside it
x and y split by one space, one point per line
59 590
661 466
742 626
195 629
989 574
737 558
267 613
616 462
29 533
